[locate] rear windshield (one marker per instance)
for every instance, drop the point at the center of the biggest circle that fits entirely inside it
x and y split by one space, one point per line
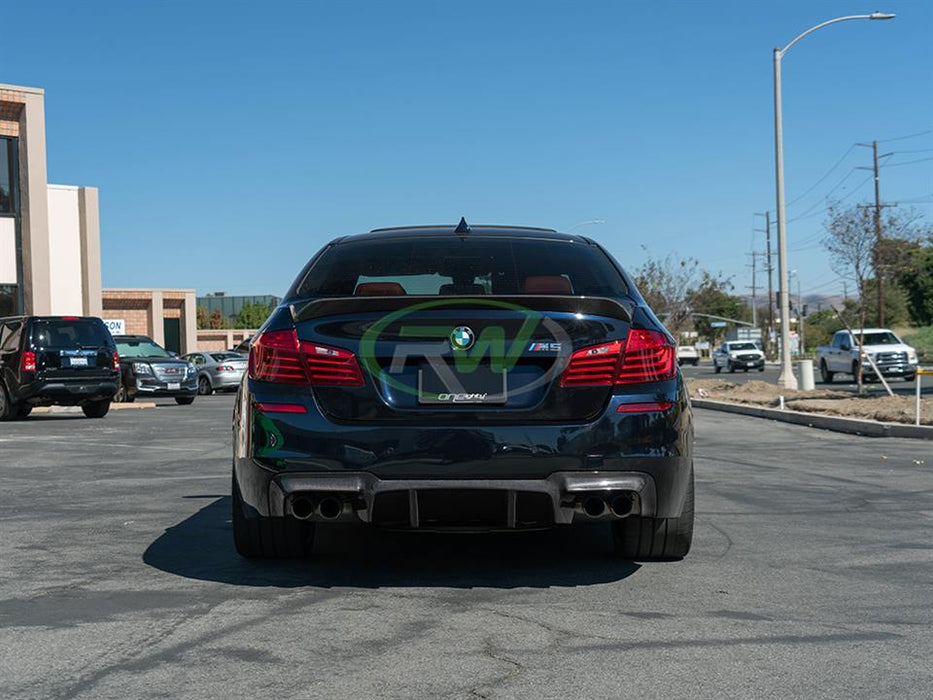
70 333
140 348
221 356
882 338
450 266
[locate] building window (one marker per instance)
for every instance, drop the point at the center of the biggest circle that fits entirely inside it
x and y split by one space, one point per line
7 174
8 301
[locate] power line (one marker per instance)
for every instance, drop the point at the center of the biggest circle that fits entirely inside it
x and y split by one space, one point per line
909 162
826 175
908 136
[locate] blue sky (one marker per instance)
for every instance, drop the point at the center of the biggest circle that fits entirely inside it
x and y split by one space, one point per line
231 140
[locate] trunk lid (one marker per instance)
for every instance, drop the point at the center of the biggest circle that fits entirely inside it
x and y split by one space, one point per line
462 359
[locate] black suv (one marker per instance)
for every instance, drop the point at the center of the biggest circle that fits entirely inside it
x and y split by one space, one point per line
56 360
148 369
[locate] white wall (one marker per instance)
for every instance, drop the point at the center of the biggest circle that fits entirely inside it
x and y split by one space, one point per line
7 250
65 250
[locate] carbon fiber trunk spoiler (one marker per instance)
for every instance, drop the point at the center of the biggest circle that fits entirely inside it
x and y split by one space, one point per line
306 310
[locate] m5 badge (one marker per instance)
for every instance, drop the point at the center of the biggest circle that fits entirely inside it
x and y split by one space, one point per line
544 347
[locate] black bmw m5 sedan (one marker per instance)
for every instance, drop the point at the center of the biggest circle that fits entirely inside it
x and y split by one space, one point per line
463 378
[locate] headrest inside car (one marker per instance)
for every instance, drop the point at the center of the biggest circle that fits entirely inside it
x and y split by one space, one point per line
547 284
379 289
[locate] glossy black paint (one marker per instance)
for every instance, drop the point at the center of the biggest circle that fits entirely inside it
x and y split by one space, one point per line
367 430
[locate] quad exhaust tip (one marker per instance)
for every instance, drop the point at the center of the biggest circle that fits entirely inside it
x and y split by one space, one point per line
618 506
327 508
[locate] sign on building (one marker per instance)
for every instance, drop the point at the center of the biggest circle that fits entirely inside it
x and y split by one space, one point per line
116 326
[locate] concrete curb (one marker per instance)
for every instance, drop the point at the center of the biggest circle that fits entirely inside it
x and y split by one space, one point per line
852 426
77 409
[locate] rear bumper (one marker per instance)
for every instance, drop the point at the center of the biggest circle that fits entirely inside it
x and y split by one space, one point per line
563 493
649 455
225 380
68 391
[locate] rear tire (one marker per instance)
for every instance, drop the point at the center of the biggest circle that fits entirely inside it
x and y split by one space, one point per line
7 409
656 539
717 369
184 400
268 538
825 374
22 412
96 409
761 369
204 386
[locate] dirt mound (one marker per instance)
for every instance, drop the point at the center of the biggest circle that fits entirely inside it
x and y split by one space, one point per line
888 409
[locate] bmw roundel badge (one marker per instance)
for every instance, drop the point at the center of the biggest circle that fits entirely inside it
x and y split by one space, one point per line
461 338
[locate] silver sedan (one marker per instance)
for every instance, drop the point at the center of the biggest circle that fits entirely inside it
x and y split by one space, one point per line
218 371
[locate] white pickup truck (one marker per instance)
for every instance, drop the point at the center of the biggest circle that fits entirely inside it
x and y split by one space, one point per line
893 357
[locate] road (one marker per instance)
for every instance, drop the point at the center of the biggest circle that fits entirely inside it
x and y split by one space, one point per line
843 382
811 576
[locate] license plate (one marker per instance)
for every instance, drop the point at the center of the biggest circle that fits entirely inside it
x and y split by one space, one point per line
481 386
174 386
77 361
751 364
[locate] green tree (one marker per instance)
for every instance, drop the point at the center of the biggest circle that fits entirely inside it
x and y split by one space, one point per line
713 296
252 315
917 282
666 285
203 318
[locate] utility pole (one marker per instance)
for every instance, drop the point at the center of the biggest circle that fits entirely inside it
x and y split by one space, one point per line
754 267
769 266
876 254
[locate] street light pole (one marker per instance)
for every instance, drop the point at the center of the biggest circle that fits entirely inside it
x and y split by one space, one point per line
787 379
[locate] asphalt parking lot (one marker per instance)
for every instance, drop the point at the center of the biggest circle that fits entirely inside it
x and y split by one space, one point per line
811 576
843 382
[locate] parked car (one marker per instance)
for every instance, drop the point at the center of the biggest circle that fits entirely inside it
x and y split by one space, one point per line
56 360
738 354
688 355
243 346
478 378
893 356
218 371
148 369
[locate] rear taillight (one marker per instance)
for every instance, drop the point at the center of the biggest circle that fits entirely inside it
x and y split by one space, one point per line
116 361
278 356
593 366
331 366
28 363
649 357
645 356
274 357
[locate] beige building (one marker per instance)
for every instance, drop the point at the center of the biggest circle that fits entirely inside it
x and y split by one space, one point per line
168 316
49 234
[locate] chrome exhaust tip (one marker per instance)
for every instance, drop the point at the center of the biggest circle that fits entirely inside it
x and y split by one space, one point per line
594 507
330 508
622 506
302 507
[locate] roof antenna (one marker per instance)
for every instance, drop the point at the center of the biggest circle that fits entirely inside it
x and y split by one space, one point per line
463 227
